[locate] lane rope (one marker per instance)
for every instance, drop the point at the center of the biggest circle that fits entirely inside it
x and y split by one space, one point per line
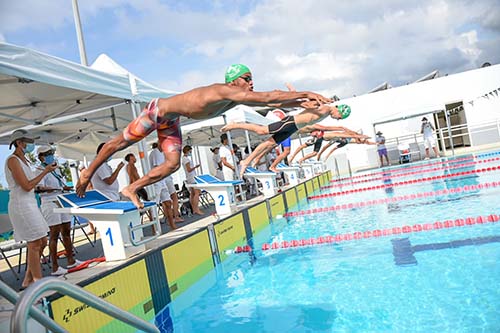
388 174
463 189
416 166
375 233
406 182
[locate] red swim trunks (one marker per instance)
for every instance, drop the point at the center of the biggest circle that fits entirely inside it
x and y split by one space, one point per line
169 131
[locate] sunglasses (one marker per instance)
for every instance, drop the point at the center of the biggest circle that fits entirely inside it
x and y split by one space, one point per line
246 78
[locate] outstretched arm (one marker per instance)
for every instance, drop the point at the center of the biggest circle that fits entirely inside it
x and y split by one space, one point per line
265 98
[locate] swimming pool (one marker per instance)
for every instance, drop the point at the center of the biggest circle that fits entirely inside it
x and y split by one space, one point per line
398 271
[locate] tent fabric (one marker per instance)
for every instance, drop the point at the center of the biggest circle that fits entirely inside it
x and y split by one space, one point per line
41 93
87 147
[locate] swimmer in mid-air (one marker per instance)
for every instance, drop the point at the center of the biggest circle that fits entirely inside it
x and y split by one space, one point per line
305 122
163 115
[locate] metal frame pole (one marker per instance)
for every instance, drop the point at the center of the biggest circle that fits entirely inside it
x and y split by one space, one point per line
79 33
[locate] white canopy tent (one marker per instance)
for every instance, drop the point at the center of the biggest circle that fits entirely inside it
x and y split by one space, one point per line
58 99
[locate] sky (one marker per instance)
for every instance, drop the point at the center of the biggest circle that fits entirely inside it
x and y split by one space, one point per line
342 48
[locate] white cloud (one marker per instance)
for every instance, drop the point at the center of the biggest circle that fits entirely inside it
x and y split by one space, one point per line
346 47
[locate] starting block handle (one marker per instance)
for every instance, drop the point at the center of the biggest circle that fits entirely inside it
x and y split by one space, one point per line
144 240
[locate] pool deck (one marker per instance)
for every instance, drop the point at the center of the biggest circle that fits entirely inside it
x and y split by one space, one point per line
85 251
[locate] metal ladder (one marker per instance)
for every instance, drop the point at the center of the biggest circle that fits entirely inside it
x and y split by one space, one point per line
24 306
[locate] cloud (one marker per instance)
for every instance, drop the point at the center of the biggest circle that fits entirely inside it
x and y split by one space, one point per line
342 47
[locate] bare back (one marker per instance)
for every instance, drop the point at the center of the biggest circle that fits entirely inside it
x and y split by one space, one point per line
200 103
311 116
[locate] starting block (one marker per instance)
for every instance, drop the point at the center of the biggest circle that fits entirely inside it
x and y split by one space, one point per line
318 166
266 178
291 173
221 191
308 169
119 222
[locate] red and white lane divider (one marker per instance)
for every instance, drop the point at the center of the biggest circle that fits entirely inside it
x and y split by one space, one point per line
419 166
381 201
407 229
406 182
389 175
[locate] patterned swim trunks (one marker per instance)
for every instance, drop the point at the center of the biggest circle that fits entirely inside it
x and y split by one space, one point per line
169 132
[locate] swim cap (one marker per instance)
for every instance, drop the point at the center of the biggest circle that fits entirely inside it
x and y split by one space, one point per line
344 110
235 71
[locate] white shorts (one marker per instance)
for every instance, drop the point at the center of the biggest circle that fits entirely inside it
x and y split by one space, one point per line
161 191
52 218
429 142
170 185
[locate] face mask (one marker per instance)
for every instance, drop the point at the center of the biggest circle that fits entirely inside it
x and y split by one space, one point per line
49 159
30 147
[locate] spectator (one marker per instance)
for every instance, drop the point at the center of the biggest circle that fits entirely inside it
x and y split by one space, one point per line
81 168
28 222
52 184
428 131
105 179
382 150
226 157
133 175
163 197
190 170
217 163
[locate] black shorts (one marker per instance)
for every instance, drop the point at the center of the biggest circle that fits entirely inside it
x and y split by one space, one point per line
282 129
143 194
342 142
317 145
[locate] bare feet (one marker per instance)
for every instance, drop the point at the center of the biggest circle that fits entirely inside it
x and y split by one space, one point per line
273 170
178 219
133 197
83 182
243 167
199 212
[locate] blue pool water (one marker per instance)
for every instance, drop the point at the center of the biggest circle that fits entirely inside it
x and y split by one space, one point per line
443 280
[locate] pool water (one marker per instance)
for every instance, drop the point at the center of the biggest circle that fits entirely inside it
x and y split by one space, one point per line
444 280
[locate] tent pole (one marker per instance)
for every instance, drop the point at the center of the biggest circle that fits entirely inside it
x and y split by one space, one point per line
231 148
248 142
79 34
198 157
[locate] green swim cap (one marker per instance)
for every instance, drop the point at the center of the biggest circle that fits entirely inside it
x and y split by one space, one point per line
344 110
235 71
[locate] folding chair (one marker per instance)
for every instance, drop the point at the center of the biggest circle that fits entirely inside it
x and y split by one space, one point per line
80 223
8 245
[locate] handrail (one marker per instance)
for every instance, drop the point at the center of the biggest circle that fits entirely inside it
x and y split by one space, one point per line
11 296
33 292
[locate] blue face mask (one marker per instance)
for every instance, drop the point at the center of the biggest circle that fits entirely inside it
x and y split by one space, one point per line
30 147
49 159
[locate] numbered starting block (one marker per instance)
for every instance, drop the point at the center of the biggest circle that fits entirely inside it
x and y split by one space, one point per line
221 191
308 169
318 166
119 222
266 178
291 173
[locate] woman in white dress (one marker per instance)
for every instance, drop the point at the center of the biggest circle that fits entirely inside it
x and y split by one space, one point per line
53 184
27 219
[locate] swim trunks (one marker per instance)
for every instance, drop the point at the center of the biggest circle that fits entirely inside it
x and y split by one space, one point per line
169 133
342 142
282 129
286 143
